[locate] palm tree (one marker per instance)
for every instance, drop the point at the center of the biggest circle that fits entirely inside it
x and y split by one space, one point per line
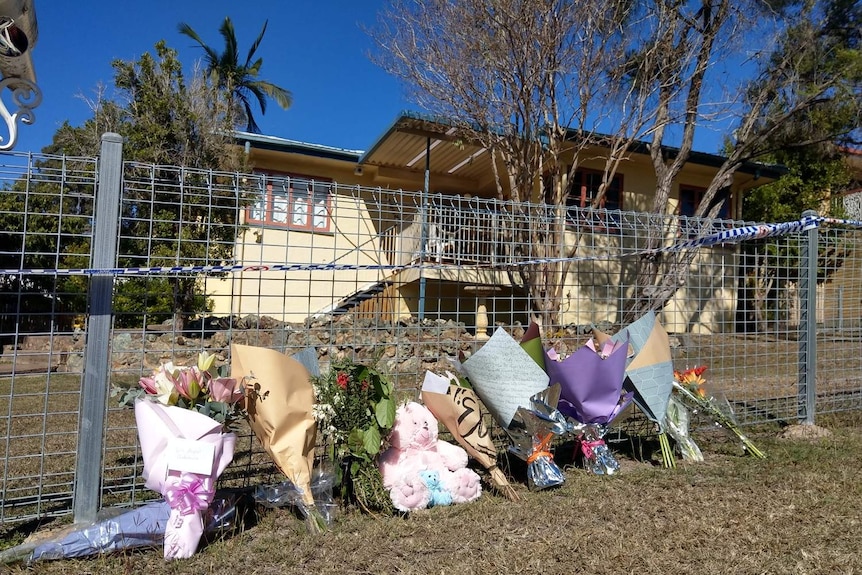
239 81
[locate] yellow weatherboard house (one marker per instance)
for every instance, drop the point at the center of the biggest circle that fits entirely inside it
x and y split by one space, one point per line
358 224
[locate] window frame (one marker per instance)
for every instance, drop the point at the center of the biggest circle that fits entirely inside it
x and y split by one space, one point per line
723 195
314 194
583 199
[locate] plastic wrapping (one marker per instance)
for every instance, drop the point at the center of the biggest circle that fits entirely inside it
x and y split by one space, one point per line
532 431
677 426
713 404
598 459
287 494
119 529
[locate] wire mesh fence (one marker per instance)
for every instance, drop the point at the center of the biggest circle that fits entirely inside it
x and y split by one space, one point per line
400 278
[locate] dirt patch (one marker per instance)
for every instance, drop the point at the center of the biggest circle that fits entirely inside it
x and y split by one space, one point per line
804 431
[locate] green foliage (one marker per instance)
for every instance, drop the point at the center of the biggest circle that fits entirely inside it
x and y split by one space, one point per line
355 413
812 178
46 224
821 55
815 175
177 217
818 100
238 81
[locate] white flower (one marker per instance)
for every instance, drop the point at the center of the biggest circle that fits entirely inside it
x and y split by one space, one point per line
166 391
322 413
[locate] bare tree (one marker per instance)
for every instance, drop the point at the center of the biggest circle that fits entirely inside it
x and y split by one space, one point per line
781 91
539 82
532 82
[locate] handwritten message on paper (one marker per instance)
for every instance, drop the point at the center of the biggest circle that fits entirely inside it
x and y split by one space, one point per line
190 456
504 376
471 424
460 410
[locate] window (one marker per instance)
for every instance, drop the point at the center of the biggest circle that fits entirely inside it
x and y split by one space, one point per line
295 202
584 190
586 187
690 198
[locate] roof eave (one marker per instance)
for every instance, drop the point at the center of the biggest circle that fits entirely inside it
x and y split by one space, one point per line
272 143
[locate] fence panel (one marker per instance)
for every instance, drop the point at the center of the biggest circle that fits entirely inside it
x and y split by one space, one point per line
46 208
207 259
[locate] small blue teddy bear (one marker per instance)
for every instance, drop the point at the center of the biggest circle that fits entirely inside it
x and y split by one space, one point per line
439 495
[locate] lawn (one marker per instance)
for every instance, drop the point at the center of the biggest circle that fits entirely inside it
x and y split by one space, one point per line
798 511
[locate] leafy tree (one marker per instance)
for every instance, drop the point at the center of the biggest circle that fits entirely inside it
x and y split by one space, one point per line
174 214
238 81
44 224
810 146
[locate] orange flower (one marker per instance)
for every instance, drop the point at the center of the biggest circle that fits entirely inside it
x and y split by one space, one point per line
692 379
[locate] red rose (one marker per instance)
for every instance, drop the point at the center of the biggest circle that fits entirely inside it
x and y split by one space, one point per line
341 379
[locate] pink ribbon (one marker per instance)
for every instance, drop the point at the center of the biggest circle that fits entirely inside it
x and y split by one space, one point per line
588 446
191 493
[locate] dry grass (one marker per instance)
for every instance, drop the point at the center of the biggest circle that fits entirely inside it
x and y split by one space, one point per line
799 511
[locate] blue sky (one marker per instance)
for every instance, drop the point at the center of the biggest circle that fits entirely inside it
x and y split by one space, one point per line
317 50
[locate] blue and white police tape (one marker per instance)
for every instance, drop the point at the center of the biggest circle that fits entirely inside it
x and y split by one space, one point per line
729 236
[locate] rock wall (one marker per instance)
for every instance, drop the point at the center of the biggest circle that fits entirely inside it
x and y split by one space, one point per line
404 349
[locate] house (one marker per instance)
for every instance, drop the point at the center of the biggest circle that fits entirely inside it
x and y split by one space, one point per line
840 296
352 222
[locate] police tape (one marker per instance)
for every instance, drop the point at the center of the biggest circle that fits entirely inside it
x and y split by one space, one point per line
728 236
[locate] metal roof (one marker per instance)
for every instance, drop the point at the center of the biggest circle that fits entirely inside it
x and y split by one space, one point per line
402 146
274 143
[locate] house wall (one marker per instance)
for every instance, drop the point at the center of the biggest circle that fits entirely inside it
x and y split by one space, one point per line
639 181
289 295
597 291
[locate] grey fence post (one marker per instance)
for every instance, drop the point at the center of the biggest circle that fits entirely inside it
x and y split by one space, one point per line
91 423
806 391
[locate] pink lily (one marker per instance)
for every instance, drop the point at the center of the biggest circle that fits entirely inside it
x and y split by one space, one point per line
149 385
190 382
225 389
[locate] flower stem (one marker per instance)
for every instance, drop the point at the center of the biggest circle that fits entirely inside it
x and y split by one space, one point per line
721 418
667 458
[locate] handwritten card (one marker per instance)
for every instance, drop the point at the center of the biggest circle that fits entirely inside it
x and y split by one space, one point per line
190 456
504 376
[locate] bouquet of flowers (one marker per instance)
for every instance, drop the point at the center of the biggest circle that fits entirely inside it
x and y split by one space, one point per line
649 373
203 388
181 414
592 395
278 406
355 413
533 430
692 387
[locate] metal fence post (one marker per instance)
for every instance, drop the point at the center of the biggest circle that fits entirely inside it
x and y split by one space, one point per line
806 391
91 423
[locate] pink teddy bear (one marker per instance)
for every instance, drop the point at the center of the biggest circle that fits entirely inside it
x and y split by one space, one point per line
418 470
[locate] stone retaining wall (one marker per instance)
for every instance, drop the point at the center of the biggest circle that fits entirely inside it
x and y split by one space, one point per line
404 349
